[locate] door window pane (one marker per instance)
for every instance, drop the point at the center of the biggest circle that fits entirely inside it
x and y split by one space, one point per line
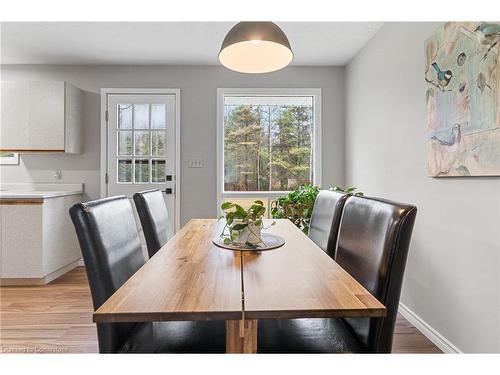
158 116
141 143
268 142
125 116
157 170
141 140
141 116
141 170
125 143
124 171
157 143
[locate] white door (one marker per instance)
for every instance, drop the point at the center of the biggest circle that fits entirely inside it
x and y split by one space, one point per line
141 146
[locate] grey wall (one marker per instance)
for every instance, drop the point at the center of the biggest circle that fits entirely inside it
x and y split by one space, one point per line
452 277
198 121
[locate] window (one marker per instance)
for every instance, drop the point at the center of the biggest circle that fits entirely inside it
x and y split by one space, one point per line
141 143
268 142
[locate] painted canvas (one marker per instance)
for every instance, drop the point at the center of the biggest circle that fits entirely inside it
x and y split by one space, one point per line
463 103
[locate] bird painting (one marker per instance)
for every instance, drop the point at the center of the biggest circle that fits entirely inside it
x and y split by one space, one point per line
489 30
454 138
444 77
489 34
446 151
462 78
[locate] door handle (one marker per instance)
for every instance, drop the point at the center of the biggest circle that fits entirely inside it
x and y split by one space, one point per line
168 191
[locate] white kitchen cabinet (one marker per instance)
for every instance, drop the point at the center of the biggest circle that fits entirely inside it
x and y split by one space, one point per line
41 116
37 240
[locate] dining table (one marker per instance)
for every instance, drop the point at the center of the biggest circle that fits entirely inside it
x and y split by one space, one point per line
190 278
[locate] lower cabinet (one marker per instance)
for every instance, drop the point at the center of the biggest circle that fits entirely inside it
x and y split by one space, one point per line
38 241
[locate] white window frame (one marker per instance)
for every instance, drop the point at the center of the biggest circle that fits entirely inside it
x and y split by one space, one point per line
317 159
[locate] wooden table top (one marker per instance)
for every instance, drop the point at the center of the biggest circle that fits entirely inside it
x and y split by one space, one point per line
187 279
192 279
299 280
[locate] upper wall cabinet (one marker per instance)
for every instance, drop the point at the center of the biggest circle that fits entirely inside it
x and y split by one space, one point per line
41 117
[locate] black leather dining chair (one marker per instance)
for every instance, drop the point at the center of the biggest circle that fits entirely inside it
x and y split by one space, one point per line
111 249
154 219
373 242
325 220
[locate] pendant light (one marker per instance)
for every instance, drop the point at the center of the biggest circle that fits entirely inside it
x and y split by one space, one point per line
255 47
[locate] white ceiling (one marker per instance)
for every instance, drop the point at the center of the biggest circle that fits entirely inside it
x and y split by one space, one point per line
168 43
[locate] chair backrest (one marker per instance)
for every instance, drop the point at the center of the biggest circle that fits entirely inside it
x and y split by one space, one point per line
325 220
373 242
154 219
111 249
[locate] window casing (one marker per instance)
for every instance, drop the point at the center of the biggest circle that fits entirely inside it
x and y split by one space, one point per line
268 143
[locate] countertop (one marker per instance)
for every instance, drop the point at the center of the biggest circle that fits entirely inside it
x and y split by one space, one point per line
38 191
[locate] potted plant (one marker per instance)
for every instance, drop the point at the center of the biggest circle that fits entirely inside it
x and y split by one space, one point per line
244 226
297 206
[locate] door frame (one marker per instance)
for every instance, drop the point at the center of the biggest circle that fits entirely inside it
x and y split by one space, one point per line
177 138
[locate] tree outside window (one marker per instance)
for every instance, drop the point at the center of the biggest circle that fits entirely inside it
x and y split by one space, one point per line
268 143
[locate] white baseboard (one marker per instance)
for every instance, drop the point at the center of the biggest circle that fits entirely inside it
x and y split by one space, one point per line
81 263
40 280
438 339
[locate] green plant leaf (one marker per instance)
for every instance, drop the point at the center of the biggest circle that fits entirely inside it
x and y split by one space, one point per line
297 205
227 241
240 211
227 205
259 202
257 210
239 226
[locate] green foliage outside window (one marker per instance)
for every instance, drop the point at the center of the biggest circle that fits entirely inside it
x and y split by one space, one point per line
267 147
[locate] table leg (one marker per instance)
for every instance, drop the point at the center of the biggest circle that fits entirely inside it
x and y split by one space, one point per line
241 336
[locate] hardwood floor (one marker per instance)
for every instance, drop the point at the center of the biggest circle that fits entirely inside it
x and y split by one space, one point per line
57 318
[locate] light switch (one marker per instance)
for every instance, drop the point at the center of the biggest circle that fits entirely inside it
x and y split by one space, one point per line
196 163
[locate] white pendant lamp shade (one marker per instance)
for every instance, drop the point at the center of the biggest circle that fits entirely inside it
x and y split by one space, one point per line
255 47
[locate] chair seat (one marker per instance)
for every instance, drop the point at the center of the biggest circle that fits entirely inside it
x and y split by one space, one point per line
305 336
177 337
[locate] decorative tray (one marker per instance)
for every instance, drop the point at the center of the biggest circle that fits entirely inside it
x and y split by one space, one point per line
269 242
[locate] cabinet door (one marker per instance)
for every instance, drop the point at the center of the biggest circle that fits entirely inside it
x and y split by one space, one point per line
15 115
21 241
46 116
33 116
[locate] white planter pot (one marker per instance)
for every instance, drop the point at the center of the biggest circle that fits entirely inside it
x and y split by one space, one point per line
252 234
